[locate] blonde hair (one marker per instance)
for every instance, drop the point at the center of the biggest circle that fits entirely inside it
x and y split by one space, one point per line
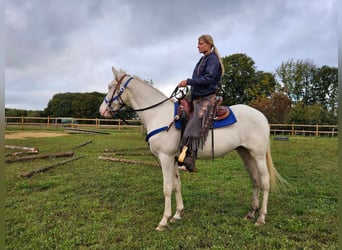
209 40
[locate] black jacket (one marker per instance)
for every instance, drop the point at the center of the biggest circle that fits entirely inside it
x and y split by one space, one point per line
206 76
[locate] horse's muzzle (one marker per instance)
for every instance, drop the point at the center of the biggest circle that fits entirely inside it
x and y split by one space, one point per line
105 111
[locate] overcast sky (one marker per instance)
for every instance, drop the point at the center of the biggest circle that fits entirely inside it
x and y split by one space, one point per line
60 46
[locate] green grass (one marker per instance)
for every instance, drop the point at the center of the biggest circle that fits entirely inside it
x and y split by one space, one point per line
94 204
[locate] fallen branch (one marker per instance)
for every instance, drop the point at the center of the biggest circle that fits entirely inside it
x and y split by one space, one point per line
82 145
44 169
57 155
84 131
129 161
30 149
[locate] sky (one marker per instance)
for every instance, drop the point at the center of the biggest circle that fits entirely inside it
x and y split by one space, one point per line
61 46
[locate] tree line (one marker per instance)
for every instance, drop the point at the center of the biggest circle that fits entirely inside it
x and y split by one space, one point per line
297 92
80 105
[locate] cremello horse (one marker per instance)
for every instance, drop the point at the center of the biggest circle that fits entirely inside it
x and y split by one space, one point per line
249 136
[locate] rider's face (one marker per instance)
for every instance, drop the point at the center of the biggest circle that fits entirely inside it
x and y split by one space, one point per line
203 47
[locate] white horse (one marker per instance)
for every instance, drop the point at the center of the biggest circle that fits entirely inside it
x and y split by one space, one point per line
249 136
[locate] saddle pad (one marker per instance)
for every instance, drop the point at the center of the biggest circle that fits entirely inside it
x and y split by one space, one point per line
229 120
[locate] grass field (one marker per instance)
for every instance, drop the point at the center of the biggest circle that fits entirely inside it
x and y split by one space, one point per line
95 204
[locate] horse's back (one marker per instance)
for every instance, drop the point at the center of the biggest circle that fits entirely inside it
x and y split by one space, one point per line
248 115
252 126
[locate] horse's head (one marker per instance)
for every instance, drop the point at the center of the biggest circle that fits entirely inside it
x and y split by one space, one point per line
115 98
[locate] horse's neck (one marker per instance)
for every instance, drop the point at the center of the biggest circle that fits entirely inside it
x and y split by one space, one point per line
142 96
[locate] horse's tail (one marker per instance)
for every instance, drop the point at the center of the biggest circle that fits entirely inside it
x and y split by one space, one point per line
276 180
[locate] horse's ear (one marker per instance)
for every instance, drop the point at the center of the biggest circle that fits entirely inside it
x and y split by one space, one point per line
115 72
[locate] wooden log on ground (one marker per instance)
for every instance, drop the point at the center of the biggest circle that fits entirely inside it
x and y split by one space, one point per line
27 158
129 161
21 153
44 169
82 145
84 131
30 149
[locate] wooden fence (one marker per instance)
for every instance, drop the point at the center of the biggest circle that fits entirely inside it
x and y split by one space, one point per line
60 122
305 130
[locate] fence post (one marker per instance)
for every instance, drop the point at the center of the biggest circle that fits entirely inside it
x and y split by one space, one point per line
317 130
96 122
48 121
22 122
292 129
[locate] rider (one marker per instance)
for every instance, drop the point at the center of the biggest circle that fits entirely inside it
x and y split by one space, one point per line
204 84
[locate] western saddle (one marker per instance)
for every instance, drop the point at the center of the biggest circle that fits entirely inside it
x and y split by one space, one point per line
185 109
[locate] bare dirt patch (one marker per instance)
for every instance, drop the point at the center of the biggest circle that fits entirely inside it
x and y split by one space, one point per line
24 135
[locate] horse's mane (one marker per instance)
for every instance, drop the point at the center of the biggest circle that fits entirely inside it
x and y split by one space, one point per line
144 82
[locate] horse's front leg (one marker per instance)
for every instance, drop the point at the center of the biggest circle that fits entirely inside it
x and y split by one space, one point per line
167 164
178 194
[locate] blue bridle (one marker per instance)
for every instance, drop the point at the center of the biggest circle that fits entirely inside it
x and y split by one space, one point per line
118 96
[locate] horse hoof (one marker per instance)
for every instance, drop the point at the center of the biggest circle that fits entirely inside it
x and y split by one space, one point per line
260 222
183 168
174 220
249 217
162 228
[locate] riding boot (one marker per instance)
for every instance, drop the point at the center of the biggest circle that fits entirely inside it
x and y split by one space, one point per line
190 160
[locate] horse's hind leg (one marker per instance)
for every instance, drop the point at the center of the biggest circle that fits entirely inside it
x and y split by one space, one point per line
265 184
254 175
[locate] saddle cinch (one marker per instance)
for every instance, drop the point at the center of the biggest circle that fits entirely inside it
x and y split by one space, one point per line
185 109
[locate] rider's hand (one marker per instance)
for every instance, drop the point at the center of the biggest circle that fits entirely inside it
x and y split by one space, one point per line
183 83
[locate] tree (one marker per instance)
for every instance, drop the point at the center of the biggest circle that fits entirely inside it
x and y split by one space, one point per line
86 105
297 78
60 105
311 87
81 105
308 114
264 86
15 112
325 88
275 108
241 83
239 76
